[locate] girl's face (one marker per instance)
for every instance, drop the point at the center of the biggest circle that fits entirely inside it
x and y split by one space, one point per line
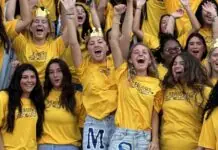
213 60
81 15
140 58
97 48
40 28
55 75
178 68
164 23
207 17
28 81
196 47
170 50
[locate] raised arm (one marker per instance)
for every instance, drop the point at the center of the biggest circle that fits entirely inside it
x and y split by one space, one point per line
194 21
69 6
172 21
127 29
95 16
101 10
136 22
115 33
10 10
209 8
26 16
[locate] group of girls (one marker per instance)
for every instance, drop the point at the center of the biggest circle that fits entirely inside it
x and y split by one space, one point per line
111 94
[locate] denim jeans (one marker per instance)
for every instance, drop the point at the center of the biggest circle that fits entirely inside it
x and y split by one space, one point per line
125 139
56 147
97 133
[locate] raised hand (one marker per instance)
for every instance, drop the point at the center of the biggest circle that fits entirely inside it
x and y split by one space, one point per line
119 9
68 5
210 8
179 13
140 3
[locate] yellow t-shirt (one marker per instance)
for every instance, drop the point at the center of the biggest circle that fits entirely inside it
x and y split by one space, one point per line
99 94
151 41
209 132
183 23
135 100
155 9
37 55
181 119
213 81
50 5
24 133
109 13
162 70
208 36
60 126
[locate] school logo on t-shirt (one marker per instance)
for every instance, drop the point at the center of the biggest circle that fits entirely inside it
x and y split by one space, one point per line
26 113
38 56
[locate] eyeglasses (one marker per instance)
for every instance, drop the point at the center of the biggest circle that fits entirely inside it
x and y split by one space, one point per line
172 49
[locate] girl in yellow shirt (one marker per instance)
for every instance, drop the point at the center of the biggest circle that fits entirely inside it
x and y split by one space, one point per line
99 93
205 14
137 84
196 46
61 122
208 138
183 97
22 110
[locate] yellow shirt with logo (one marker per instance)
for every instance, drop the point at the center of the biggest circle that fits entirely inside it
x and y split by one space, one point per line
37 55
181 119
60 126
24 133
135 100
99 94
209 132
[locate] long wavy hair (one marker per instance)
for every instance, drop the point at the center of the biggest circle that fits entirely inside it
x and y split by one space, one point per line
194 77
15 92
199 36
3 35
198 13
212 102
152 68
67 99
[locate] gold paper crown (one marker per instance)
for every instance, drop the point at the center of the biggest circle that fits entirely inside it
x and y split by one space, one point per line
97 32
215 45
41 12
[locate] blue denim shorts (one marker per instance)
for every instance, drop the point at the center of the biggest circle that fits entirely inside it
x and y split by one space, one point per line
125 139
97 133
56 147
